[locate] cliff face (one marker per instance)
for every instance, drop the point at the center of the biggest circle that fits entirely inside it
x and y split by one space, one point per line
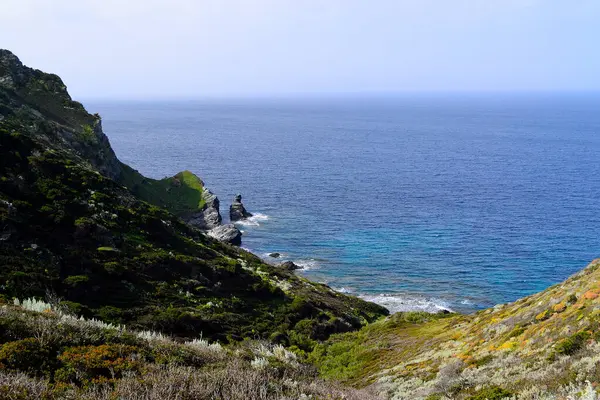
41 101
78 224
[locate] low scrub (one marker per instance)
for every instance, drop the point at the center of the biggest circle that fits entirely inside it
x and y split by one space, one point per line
76 358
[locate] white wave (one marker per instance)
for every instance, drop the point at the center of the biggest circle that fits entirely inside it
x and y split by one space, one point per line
254 220
399 303
342 290
466 302
306 265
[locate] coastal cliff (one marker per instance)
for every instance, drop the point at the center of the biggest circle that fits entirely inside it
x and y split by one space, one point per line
114 245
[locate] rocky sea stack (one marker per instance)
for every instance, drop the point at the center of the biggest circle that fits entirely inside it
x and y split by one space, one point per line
237 211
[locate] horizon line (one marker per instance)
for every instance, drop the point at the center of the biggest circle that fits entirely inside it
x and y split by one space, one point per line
333 95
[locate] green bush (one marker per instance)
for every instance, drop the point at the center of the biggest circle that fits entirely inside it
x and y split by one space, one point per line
76 280
572 344
490 393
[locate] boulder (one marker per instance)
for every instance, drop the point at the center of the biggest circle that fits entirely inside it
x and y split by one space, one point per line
237 211
275 255
226 233
290 266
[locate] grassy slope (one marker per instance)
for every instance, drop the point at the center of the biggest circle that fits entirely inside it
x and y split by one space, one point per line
39 98
539 344
180 194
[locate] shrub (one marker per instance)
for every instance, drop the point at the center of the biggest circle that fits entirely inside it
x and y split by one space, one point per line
572 299
85 363
75 280
33 305
27 355
491 393
73 308
191 355
572 344
544 315
18 386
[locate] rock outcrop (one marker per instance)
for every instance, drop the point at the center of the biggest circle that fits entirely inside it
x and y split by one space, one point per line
227 233
290 266
209 217
209 220
237 211
42 99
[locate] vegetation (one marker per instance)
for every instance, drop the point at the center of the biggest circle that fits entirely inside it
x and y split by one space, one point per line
502 352
52 355
85 238
181 194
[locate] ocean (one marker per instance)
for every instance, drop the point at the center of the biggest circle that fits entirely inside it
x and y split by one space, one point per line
417 202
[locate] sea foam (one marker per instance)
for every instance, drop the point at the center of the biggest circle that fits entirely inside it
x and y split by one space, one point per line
254 220
306 265
403 303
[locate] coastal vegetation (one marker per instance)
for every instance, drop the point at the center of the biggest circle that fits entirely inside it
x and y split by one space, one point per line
47 353
507 351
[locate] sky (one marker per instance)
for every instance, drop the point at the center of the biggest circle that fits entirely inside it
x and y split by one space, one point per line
135 49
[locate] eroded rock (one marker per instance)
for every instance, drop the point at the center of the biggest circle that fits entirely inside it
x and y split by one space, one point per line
237 211
226 233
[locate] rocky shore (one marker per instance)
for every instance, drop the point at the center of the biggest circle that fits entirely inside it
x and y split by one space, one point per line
209 218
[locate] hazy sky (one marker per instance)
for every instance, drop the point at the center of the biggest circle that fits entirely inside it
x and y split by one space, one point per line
198 48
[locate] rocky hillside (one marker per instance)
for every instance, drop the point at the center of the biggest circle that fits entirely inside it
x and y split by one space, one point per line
39 99
78 225
545 346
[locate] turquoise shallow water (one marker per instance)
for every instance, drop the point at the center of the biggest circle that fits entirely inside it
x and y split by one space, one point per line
417 202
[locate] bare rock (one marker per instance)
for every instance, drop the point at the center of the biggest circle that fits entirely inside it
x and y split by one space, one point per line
237 211
227 233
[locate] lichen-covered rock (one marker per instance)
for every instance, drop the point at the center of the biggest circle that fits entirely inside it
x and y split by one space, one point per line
237 211
227 233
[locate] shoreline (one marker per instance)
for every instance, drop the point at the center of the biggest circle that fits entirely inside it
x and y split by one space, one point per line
393 302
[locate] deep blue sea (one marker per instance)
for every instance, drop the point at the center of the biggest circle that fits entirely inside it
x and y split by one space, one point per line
417 201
